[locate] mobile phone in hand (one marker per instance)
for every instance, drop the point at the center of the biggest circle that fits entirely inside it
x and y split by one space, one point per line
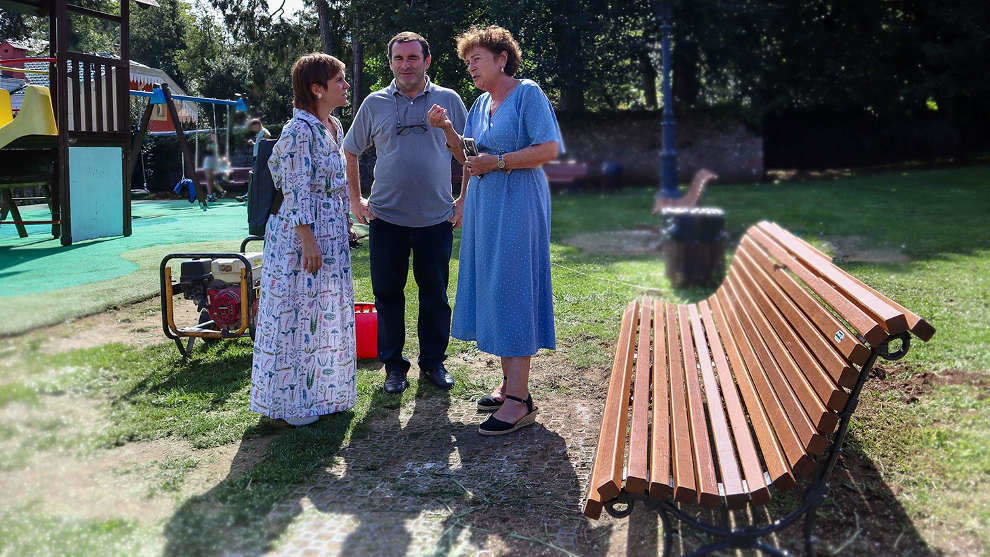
470 147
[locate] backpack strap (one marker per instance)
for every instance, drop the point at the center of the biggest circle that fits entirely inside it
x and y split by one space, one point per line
279 196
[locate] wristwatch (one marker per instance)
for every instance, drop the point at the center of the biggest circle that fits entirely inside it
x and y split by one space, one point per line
501 162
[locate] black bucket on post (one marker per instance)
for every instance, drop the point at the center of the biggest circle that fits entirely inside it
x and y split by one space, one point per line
694 246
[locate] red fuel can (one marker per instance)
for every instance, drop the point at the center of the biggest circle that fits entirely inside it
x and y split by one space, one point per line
366 330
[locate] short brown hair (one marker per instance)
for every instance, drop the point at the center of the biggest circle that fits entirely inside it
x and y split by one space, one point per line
408 37
254 121
494 39
315 67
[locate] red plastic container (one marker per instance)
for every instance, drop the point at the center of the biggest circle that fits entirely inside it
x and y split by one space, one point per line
366 330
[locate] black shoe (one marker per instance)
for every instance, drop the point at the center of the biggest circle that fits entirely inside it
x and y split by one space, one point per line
488 403
395 378
439 376
495 426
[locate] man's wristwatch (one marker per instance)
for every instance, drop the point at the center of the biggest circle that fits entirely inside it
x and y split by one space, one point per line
501 162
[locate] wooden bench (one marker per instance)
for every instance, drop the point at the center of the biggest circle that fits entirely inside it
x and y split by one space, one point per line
565 172
236 180
722 402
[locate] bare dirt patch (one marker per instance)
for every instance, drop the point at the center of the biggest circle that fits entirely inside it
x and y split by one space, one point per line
858 249
143 480
639 241
51 449
137 324
917 385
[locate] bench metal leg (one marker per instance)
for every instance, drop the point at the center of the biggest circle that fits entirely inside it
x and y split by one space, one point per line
668 533
809 527
725 537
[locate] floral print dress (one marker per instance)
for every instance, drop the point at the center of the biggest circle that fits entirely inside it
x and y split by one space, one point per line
304 350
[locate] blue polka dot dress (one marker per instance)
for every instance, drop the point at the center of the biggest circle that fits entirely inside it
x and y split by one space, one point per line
504 294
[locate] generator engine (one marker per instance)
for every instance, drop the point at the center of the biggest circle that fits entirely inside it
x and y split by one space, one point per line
215 286
224 305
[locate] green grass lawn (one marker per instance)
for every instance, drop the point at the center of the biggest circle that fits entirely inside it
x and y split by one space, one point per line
929 226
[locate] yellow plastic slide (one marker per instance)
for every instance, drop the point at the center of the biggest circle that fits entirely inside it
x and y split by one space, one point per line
6 113
35 117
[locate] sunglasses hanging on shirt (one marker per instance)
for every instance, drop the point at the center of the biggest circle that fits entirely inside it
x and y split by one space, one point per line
406 129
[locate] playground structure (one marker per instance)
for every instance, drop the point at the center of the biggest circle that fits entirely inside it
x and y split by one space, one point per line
161 97
82 162
35 123
73 141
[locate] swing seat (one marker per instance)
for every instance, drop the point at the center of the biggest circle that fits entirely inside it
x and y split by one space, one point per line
185 184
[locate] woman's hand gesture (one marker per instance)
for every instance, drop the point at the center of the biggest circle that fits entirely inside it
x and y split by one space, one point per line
437 117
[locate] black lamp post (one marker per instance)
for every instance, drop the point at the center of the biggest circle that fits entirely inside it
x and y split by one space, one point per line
668 153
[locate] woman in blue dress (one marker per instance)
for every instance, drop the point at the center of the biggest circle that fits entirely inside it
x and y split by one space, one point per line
504 295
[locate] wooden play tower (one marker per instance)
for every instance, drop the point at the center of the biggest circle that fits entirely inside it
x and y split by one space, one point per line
83 164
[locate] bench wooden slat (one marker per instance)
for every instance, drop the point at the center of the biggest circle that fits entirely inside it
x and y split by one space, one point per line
811 371
728 464
916 324
704 467
593 502
637 479
746 450
773 390
612 439
866 325
803 408
685 488
660 471
770 424
892 320
829 352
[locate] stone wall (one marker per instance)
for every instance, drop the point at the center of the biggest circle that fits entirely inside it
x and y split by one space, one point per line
722 144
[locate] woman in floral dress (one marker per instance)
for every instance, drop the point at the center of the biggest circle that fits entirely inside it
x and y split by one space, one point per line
304 351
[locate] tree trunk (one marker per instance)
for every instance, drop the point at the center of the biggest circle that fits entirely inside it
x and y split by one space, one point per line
326 37
357 96
649 76
570 62
685 82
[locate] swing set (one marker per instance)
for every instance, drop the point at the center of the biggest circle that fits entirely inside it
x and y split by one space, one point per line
161 95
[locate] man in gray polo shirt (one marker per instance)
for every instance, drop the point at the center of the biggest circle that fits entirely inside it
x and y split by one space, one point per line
410 208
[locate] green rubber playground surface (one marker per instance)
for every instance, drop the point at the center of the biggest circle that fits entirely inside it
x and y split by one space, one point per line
43 282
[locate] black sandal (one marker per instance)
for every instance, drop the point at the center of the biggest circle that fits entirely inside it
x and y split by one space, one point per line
495 426
488 403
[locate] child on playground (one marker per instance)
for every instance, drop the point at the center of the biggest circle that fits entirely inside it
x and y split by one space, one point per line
211 167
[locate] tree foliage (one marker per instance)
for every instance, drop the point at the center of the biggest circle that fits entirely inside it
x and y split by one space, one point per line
909 58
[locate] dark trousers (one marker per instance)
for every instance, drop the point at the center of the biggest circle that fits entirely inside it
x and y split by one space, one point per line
390 245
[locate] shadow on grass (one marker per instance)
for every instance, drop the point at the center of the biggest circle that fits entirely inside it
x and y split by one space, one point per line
860 516
428 484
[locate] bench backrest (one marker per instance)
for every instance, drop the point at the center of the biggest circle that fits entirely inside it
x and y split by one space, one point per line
799 327
744 386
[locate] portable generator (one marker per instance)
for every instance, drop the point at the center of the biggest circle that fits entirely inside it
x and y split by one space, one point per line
225 289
